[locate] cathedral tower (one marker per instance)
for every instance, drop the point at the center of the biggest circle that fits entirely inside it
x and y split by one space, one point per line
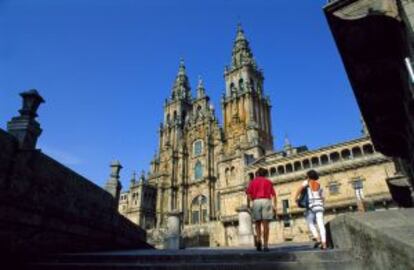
246 110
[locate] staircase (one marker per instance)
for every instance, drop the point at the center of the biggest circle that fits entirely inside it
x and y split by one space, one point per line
282 257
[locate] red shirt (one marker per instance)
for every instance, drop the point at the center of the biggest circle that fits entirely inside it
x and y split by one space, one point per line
260 188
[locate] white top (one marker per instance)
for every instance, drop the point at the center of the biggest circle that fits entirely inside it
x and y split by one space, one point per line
315 197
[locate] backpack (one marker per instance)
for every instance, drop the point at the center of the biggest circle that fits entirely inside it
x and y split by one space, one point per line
303 201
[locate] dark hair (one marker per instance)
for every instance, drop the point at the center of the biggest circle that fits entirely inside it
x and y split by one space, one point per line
261 172
312 174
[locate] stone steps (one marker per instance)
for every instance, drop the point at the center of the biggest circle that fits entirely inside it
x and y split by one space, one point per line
200 259
337 265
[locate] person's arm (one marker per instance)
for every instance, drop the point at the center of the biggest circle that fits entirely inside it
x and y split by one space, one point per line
298 191
275 204
249 199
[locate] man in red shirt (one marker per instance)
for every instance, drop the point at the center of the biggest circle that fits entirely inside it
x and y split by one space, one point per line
261 191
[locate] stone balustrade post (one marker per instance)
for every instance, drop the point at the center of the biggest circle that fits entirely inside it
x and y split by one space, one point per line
173 239
245 230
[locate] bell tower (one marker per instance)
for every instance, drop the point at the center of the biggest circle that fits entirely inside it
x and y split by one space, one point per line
246 109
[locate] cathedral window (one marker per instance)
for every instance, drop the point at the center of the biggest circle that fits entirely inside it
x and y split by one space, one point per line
175 116
199 210
198 171
232 89
241 85
252 84
198 147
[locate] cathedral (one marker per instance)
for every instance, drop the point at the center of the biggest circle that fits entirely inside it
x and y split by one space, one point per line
202 167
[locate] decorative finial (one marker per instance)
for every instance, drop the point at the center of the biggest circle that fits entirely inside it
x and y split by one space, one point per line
133 178
287 144
240 32
200 87
142 177
181 69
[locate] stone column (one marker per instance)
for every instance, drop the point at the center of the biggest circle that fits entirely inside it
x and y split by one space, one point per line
173 238
245 231
25 127
159 205
113 185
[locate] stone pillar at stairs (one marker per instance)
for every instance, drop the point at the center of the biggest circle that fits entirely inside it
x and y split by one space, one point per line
173 239
245 232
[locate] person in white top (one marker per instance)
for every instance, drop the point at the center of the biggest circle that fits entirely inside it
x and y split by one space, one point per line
314 212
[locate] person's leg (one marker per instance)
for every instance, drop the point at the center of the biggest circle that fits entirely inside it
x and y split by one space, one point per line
265 233
310 219
321 227
258 234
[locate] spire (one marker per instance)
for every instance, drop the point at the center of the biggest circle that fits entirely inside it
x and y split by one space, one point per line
242 54
133 178
240 33
287 145
181 68
181 89
201 91
142 177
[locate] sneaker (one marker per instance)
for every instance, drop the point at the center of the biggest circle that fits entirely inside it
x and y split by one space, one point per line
258 246
266 249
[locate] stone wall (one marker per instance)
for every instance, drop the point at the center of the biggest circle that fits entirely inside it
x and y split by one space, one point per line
46 207
380 240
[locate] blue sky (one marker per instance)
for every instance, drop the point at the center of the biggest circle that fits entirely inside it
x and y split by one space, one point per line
105 68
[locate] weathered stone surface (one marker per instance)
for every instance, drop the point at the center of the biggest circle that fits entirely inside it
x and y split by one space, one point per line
381 240
246 237
46 207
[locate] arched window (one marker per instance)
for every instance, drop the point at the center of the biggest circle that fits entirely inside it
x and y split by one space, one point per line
232 89
198 171
315 161
289 168
227 175
175 116
280 169
356 152
272 171
306 164
198 113
199 210
198 147
297 166
252 84
324 159
241 85
368 149
346 154
334 156
168 118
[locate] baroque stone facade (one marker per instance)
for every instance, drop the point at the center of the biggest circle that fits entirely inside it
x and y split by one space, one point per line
201 168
